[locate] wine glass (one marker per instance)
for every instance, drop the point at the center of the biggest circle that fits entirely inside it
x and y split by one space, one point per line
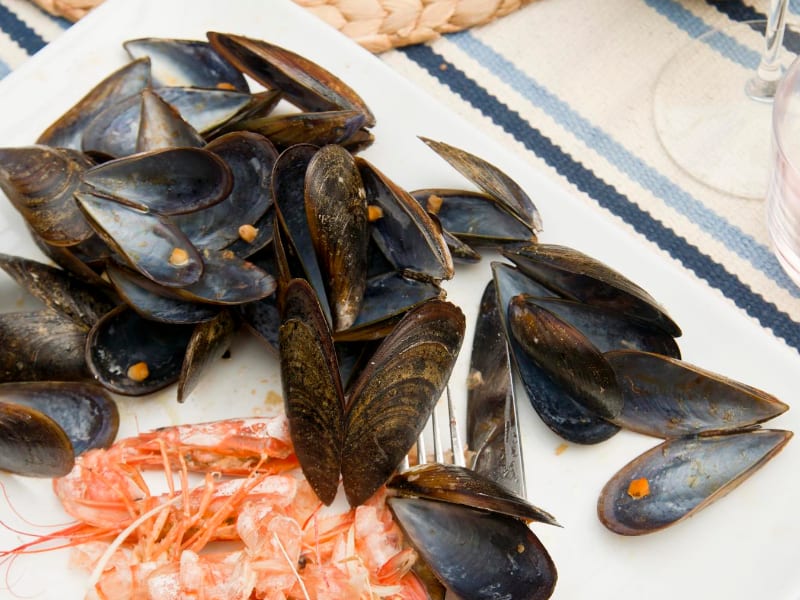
713 103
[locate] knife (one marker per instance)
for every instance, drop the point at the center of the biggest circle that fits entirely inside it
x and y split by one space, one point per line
492 431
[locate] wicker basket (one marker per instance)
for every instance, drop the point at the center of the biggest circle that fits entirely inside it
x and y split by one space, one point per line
378 25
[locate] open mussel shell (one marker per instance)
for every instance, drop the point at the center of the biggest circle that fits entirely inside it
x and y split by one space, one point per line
60 290
476 218
39 181
149 243
190 63
393 396
567 357
319 128
161 126
302 82
33 444
133 356
209 342
475 553
154 302
491 180
114 131
563 414
312 390
577 276
409 238
459 485
128 81
41 345
680 476
250 158
85 412
336 210
665 397
169 181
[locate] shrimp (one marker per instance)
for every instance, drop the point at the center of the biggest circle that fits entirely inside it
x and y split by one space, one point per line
283 543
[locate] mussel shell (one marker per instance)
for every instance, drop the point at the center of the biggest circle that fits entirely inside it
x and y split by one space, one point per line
250 158
72 260
609 329
114 131
303 82
684 475
475 217
190 63
319 128
39 181
567 357
405 233
577 276
227 280
392 399
161 126
155 302
85 412
210 340
561 413
459 485
60 290
312 391
491 180
169 181
41 345
263 318
33 444
145 240
336 210
122 339
387 297
665 397
126 82
477 554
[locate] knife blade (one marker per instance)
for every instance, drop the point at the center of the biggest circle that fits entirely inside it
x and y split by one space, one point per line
492 430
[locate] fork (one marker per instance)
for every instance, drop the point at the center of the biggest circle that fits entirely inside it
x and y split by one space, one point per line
456 447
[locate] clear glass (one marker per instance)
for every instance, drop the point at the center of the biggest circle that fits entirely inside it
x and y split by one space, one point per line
713 102
783 194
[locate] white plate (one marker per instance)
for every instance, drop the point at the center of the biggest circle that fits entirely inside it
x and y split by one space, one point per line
744 546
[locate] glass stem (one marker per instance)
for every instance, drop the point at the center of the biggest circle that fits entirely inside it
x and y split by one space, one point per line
763 85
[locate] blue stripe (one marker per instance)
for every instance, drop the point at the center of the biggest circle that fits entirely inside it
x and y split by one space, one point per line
606 195
4 69
634 167
18 30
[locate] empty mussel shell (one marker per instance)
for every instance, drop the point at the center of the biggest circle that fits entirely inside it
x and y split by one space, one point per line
85 412
477 554
133 356
561 413
302 81
39 181
161 126
509 195
190 63
575 275
336 209
566 356
60 290
209 342
680 476
41 345
169 181
459 485
128 81
33 444
319 128
665 397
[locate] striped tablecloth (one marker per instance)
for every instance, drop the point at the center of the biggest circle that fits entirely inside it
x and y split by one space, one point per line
569 85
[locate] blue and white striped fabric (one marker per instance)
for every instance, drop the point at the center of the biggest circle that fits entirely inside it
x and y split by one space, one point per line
568 84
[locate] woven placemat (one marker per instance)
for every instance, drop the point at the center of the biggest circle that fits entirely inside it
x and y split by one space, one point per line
378 25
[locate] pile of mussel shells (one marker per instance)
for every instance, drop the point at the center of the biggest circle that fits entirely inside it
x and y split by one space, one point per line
597 354
180 206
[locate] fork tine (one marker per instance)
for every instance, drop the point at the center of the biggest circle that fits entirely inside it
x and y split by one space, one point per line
455 436
438 451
